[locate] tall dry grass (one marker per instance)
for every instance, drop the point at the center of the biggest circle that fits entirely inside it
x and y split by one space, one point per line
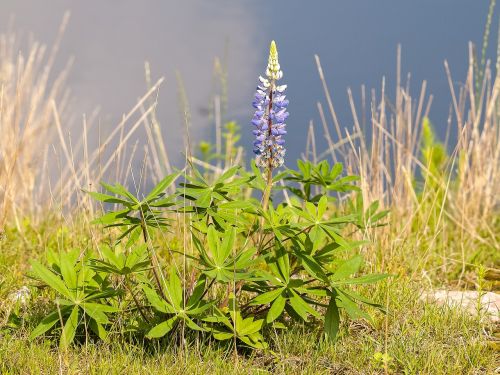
28 86
439 223
454 209
45 162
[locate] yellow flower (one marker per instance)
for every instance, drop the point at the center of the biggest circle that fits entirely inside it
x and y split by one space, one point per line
273 67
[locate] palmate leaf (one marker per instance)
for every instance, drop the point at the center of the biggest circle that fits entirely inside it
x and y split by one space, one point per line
220 262
246 330
206 194
174 305
309 175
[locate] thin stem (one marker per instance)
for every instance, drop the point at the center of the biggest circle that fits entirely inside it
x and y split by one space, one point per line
139 307
267 191
265 203
269 177
208 288
154 261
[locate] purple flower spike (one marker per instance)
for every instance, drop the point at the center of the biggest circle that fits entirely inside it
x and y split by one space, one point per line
270 115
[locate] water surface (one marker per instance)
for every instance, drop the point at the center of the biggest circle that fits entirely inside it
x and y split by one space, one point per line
356 41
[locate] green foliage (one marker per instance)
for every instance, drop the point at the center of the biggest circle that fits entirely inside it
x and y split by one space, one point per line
175 306
233 326
220 262
119 262
81 300
135 214
250 268
309 175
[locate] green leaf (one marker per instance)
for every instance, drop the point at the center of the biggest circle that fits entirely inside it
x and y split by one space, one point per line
198 291
226 246
120 190
301 307
283 263
362 299
98 329
227 174
336 171
162 329
250 326
312 267
213 241
69 330
204 199
351 308
161 186
47 323
332 320
368 279
234 205
68 271
51 279
191 324
107 198
110 218
266 297
276 309
98 311
154 299
322 206
255 341
174 290
347 268
222 335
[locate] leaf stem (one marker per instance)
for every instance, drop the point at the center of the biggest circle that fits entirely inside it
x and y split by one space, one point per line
154 261
139 307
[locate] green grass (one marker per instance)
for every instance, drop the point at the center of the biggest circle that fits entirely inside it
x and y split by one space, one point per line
419 338
444 230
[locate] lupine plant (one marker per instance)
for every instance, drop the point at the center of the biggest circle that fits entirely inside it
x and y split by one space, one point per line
251 263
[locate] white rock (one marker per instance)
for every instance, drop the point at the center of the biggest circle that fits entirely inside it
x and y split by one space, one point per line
467 300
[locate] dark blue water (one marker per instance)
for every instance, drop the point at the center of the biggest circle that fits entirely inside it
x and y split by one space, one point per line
356 41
